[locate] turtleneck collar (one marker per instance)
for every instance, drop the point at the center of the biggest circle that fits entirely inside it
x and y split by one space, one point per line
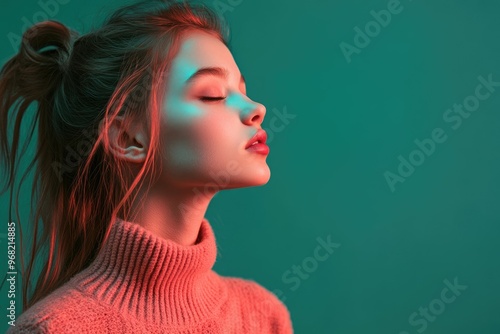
155 279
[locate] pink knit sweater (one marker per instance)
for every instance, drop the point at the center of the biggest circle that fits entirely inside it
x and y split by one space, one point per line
142 283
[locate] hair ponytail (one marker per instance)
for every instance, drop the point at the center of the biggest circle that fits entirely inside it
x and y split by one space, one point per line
42 59
33 75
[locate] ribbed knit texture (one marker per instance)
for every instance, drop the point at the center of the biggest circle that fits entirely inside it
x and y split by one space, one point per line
142 283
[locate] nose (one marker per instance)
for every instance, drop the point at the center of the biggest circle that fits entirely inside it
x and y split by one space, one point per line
254 112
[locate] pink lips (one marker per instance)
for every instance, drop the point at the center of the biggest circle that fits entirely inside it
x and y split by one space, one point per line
260 137
259 148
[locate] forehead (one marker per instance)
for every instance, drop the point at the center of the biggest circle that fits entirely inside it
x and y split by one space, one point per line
200 49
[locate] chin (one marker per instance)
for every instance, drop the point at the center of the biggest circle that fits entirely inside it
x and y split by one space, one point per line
254 180
262 177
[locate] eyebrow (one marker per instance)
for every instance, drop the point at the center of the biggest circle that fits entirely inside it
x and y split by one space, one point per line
216 71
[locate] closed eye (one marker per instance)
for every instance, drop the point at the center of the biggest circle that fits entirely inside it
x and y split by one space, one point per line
212 98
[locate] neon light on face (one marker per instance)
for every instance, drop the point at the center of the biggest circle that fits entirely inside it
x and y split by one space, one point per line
207 118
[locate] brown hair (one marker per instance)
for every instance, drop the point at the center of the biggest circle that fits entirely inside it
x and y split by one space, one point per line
77 81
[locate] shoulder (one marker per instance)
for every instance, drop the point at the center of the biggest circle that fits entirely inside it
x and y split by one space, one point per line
262 303
252 289
66 310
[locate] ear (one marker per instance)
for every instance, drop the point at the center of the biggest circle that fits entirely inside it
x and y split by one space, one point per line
127 143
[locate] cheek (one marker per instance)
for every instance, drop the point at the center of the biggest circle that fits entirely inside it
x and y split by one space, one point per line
214 136
195 139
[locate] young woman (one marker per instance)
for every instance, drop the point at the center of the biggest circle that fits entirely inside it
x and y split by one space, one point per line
140 123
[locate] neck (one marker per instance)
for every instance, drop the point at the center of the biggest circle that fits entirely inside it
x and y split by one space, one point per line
172 213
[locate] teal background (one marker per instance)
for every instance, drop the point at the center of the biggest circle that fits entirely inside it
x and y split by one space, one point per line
352 120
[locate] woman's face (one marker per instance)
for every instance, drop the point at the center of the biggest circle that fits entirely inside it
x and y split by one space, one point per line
203 141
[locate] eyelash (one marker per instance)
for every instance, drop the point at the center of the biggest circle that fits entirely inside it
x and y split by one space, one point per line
210 98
